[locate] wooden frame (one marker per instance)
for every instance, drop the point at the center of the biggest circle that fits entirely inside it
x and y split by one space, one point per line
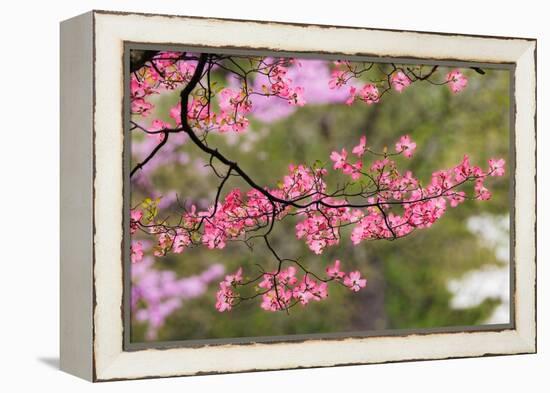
92 144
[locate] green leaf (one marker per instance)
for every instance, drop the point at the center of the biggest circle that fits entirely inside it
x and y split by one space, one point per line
150 208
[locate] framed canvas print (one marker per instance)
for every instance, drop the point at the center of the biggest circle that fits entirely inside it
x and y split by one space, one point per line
244 195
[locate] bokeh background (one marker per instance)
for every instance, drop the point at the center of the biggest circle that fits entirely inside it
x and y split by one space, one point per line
455 273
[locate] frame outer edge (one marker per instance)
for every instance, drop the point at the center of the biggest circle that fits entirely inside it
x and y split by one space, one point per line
76 204
526 202
114 363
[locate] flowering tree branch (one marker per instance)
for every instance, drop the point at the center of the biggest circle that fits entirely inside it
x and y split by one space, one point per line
377 200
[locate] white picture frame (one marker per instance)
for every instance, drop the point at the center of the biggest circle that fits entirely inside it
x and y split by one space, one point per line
92 181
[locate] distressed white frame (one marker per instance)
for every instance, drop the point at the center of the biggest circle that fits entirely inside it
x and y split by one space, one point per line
94 349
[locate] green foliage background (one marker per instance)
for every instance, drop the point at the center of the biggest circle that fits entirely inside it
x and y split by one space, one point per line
406 278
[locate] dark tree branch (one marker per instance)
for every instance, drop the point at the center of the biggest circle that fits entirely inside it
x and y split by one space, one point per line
138 58
151 155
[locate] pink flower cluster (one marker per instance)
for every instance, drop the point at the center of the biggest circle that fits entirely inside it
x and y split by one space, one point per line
344 74
198 114
226 297
275 77
368 93
404 146
320 227
420 207
340 160
280 85
394 205
233 105
176 242
167 71
236 102
283 289
231 218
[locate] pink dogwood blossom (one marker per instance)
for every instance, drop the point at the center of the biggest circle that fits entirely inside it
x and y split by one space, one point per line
236 278
369 94
457 81
224 298
482 193
400 81
339 159
337 79
496 167
354 170
360 149
354 281
334 271
405 146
